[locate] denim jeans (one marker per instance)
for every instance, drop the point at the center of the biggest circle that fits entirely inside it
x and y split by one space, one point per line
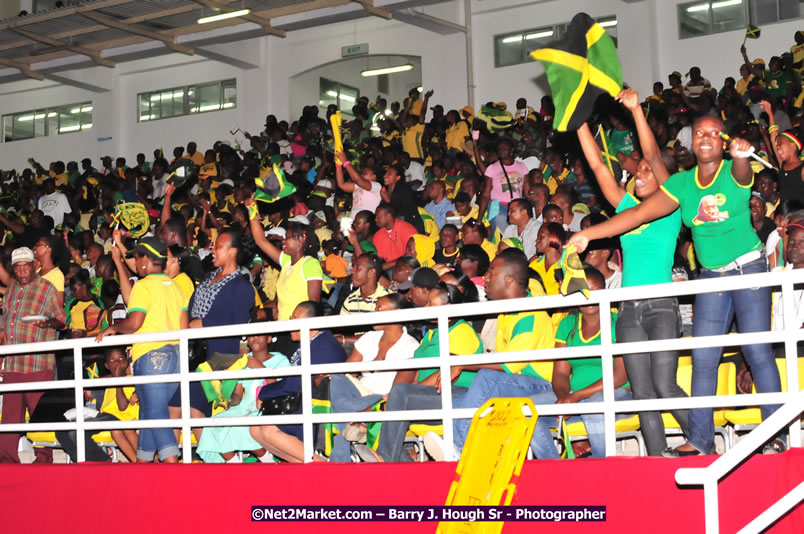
653 376
713 315
345 397
594 422
408 397
154 399
488 384
500 221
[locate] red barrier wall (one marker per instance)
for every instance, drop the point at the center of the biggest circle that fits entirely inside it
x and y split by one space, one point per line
640 494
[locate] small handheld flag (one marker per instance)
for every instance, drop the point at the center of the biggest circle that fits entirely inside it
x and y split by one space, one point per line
579 68
752 32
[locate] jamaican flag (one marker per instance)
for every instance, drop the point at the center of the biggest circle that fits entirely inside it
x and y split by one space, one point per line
272 185
579 68
611 160
752 32
218 392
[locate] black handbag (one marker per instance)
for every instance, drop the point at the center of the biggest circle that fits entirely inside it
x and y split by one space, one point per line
282 405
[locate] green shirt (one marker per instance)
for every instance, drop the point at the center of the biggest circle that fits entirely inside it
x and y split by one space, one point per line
718 215
462 340
777 85
585 371
648 251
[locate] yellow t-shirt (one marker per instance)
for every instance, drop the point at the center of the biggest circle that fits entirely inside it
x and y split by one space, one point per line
55 277
456 135
526 331
270 279
131 413
553 183
291 287
162 301
490 248
548 275
197 158
412 141
185 284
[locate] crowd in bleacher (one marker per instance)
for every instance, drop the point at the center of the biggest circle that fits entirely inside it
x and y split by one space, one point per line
419 208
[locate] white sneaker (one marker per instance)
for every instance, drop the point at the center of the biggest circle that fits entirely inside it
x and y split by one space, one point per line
434 445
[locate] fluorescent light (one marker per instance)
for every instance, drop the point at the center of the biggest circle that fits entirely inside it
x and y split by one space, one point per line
715 5
228 105
514 39
86 109
342 96
25 118
420 88
539 34
75 110
39 116
608 23
69 129
210 107
224 16
387 70
52 114
86 126
145 118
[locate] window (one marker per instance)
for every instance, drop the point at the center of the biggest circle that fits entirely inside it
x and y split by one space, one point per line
343 96
200 98
515 48
704 18
768 11
49 121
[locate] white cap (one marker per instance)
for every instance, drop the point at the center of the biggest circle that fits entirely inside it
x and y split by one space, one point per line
684 137
278 231
299 219
22 255
228 182
327 184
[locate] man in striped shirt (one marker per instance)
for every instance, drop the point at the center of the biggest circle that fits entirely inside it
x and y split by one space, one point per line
26 297
366 272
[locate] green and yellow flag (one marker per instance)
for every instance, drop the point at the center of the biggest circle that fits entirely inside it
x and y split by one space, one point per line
579 68
752 32
272 185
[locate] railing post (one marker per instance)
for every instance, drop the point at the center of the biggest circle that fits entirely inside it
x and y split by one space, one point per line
711 512
78 373
607 363
307 395
446 382
184 385
791 354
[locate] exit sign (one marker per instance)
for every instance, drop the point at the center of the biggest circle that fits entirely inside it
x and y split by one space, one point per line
354 50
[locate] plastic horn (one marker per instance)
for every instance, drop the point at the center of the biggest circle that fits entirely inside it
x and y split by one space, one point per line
336 119
747 154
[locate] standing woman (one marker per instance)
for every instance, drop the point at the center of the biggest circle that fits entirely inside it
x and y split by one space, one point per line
713 197
647 259
48 252
300 276
787 146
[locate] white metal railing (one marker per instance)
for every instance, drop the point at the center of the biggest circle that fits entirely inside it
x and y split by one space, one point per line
442 314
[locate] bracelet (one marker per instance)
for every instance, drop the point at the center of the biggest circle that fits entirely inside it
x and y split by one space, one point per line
773 128
347 163
253 213
338 165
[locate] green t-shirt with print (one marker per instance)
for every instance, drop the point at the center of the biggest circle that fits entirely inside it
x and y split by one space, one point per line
717 214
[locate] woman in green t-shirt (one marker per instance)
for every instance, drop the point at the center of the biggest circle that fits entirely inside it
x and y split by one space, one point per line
648 254
713 197
581 379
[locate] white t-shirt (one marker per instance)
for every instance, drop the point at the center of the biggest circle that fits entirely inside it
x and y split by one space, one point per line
777 316
363 199
55 205
415 173
380 382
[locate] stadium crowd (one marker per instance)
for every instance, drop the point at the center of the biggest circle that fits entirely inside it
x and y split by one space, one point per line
421 208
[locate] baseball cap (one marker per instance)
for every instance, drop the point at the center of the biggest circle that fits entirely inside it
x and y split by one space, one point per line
22 255
227 181
685 137
278 231
300 219
153 247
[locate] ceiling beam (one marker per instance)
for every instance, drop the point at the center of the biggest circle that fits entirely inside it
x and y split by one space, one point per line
25 69
169 42
59 13
264 23
368 5
63 45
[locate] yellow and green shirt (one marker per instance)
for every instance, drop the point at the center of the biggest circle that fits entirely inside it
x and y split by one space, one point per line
162 301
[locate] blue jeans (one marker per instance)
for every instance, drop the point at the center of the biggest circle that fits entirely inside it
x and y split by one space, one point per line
488 384
408 397
594 422
154 399
713 315
345 397
653 376
500 221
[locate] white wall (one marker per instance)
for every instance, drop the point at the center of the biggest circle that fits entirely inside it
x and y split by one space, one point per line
648 48
305 88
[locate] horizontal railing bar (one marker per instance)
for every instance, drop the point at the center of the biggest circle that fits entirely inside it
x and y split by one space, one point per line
543 410
636 347
428 313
